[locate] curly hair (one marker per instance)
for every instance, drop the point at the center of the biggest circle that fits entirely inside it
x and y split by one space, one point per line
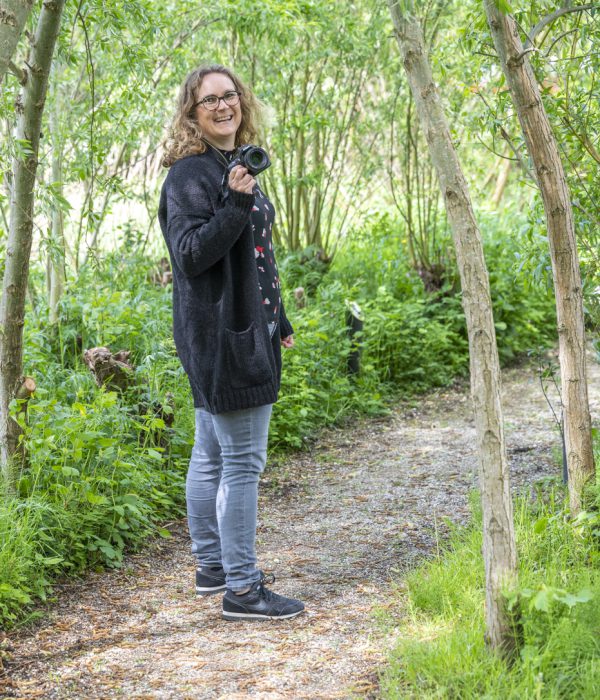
185 136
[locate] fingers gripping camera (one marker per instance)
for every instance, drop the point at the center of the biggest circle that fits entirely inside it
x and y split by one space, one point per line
254 158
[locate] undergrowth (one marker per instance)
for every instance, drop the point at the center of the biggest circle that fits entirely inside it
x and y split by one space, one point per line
104 469
556 613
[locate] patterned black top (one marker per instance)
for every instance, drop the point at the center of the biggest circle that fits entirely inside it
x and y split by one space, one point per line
262 217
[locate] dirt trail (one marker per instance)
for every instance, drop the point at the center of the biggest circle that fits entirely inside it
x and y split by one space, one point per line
335 526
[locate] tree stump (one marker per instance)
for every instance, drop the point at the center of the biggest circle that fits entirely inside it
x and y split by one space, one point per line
162 274
300 297
112 371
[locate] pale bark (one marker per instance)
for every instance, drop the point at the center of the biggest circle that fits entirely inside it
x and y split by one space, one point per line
498 533
18 244
501 181
13 15
56 252
544 153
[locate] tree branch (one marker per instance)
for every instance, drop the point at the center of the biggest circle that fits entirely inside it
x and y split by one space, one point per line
19 73
558 38
505 135
548 19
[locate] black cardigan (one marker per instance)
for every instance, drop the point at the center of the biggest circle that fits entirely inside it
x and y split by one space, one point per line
219 326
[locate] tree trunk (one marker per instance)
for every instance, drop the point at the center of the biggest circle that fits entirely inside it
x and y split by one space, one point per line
56 249
499 549
501 181
13 15
550 174
18 245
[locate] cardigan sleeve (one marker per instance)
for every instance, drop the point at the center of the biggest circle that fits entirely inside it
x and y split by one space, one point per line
284 325
199 238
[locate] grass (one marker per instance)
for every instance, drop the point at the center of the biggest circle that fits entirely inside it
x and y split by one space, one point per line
556 609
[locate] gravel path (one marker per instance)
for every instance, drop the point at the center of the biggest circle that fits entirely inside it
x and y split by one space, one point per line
337 524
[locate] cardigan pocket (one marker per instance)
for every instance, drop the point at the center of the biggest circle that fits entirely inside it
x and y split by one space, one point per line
247 358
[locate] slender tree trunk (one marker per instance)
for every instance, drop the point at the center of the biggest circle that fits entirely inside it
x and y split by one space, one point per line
56 253
499 549
13 15
18 245
501 181
544 153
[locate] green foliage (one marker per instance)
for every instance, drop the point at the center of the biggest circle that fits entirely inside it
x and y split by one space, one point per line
556 611
317 389
411 340
374 255
415 344
305 268
104 470
524 307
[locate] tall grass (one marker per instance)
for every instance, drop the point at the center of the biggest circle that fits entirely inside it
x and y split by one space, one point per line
556 611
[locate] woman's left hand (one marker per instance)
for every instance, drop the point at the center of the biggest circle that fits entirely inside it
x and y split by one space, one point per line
288 342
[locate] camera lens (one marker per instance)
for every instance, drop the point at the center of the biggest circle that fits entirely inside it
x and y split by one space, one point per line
256 160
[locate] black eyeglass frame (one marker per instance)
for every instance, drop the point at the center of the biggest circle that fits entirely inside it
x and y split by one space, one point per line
219 99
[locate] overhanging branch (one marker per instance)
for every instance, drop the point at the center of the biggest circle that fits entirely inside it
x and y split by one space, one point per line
548 19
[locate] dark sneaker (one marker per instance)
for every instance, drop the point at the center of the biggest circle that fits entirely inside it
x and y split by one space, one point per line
209 580
260 603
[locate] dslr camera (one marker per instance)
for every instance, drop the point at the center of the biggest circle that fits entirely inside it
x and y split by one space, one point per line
254 158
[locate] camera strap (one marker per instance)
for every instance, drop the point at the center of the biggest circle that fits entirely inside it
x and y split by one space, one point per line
225 178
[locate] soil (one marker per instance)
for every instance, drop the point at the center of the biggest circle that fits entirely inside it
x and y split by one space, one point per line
339 525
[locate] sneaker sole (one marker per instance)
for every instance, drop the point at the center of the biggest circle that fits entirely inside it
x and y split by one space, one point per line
233 616
210 591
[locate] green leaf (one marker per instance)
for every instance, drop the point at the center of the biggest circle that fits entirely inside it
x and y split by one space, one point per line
540 525
106 548
570 599
504 6
9 592
51 561
163 532
541 600
95 499
133 509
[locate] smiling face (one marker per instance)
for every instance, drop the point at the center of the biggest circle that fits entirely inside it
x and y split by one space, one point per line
220 125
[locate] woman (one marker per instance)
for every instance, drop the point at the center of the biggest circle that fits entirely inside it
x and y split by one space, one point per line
229 323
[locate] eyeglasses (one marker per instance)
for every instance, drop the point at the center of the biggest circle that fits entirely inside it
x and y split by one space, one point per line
212 102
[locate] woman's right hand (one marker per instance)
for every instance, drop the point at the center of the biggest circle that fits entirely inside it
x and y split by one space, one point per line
240 180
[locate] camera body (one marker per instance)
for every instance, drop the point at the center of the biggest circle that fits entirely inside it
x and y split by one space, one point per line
254 158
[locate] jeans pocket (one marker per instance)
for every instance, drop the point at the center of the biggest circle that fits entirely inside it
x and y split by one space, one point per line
247 357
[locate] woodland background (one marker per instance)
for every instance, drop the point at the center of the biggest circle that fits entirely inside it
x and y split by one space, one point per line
360 222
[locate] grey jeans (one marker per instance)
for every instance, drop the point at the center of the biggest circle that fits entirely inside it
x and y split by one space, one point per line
229 454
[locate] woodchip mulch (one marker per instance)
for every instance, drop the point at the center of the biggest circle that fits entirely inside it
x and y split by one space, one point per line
338 526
